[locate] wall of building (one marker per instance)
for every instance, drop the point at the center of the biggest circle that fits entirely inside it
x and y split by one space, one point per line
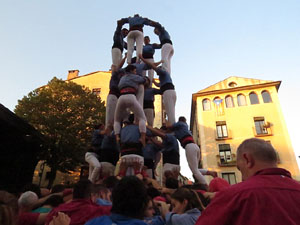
240 126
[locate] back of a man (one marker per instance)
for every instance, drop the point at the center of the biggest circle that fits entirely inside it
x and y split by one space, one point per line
268 195
81 208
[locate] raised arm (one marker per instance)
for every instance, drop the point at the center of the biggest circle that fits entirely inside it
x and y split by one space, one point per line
156 132
152 65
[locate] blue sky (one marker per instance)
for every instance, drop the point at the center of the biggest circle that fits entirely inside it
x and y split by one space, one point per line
212 40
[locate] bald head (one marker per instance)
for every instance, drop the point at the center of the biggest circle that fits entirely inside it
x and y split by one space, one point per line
254 155
259 149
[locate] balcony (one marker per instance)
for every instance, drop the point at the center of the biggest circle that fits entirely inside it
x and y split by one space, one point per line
226 161
263 130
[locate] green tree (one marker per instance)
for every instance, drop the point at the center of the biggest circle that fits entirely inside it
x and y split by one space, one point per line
65 113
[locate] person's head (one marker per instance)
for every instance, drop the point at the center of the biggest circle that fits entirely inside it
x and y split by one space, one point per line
182 119
184 199
133 60
8 208
156 31
124 32
27 201
110 182
129 198
82 189
253 155
172 183
130 69
136 15
99 126
146 40
149 211
100 191
54 201
34 188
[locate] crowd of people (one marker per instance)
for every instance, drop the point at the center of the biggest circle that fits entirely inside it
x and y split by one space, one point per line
122 185
267 195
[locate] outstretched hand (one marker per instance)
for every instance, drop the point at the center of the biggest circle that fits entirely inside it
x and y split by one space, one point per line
60 219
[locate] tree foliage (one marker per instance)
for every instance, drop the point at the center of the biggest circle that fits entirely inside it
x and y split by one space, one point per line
65 113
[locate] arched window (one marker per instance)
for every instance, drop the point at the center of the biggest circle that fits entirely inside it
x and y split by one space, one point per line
241 100
253 98
206 104
266 96
229 101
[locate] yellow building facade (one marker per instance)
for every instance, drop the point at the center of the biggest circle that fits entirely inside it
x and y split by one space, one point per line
235 109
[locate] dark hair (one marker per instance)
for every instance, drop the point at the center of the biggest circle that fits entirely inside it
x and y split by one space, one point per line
133 60
98 126
153 192
58 188
110 182
130 68
130 198
171 183
191 196
82 189
8 208
260 149
34 188
147 37
54 201
182 119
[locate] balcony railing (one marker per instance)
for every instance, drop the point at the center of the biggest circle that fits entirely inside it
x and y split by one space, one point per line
228 160
265 130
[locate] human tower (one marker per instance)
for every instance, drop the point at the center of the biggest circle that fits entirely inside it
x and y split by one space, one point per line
130 106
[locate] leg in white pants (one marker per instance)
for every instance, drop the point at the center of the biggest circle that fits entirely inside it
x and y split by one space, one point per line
167 52
169 100
129 160
149 113
116 55
140 95
192 153
129 101
150 72
134 36
94 166
111 103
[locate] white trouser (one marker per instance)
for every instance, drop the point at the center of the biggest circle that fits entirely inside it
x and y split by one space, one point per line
129 101
169 100
129 160
171 167
140 94
116 55
137 37
149 113
167 52
111 103
192 152
150 72
107 169
94 166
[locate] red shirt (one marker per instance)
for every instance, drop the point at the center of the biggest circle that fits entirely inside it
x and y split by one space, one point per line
80 211
271 196
27 218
